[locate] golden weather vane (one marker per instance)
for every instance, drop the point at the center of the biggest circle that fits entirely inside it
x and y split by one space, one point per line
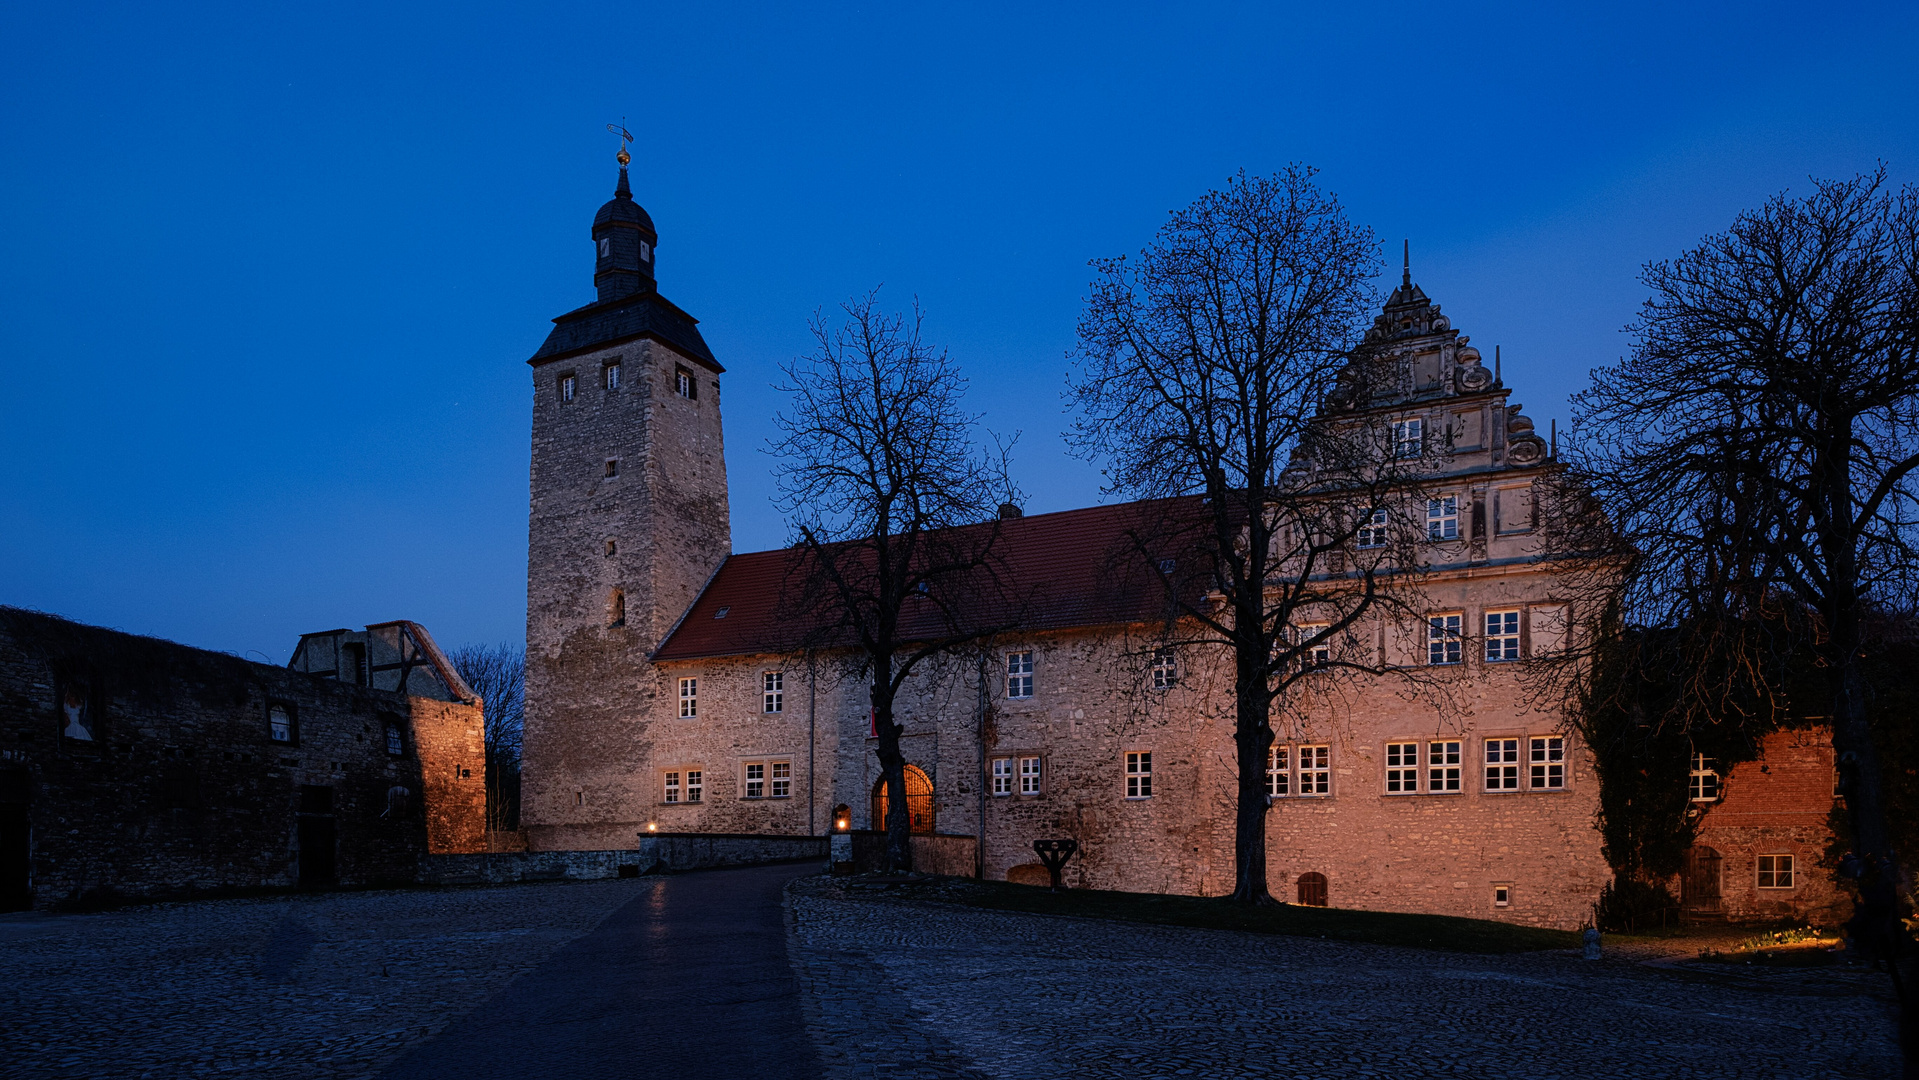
626 137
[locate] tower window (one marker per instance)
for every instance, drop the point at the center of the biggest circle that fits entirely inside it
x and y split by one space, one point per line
606 247
395 739
612 376
616 609
566 387
612 548
646 251
612 467
685 385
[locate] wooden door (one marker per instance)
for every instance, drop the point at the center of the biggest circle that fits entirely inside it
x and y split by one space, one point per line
1312 889
1699 884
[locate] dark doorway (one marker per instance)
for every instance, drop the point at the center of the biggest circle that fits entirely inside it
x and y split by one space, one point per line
16 843
317 837
1312 889
1699 885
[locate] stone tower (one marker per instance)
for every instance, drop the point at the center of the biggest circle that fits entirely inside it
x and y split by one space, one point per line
628 520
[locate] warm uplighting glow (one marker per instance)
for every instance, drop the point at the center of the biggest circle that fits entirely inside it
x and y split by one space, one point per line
652 827
842 824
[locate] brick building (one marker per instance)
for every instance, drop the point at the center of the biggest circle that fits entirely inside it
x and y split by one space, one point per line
1762 832
669 687
137 768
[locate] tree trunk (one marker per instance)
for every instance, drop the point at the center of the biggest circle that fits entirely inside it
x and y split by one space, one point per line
1876 927
1253 739
899 820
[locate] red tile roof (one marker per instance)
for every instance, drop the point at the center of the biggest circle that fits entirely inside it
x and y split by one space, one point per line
1093 567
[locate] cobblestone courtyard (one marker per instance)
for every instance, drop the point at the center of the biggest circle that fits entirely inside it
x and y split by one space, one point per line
341 985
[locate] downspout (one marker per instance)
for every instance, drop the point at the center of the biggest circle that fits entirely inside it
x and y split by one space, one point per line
979 724
812 741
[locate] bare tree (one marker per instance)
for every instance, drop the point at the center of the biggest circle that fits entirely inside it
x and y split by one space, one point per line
1758 450
1229 363
498 674
895 511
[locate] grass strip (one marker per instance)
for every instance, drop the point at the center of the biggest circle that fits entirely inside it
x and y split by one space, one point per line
1217 913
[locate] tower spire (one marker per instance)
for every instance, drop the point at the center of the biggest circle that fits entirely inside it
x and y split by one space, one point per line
1406 272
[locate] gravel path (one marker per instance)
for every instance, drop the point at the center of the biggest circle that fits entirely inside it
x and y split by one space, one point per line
997 994
333 985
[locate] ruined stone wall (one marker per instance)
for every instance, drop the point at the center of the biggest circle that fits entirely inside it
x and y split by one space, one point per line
1777 804
655 532
183 789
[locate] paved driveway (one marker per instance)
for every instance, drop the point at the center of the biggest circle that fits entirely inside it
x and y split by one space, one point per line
690 979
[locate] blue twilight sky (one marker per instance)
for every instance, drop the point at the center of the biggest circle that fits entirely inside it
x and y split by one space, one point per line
269 273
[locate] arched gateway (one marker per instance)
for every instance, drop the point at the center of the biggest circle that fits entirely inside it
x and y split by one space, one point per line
919 801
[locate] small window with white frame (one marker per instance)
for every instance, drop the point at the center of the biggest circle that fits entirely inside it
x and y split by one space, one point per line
1442 766
685 385
1003 776
1442 518
1502 636
1402 768
1019 674
1502 764
611 375
1372 531
1409 438
1443 645
1139 774
1315 770
1319 654
695 785
780 775
1546 756
1165 668
672 786
1775 871
1502 895
755 780
1029 775
1702 779
689 697
1279 771
772 691
567 384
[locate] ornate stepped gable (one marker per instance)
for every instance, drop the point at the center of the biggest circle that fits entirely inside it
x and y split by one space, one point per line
1422 360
